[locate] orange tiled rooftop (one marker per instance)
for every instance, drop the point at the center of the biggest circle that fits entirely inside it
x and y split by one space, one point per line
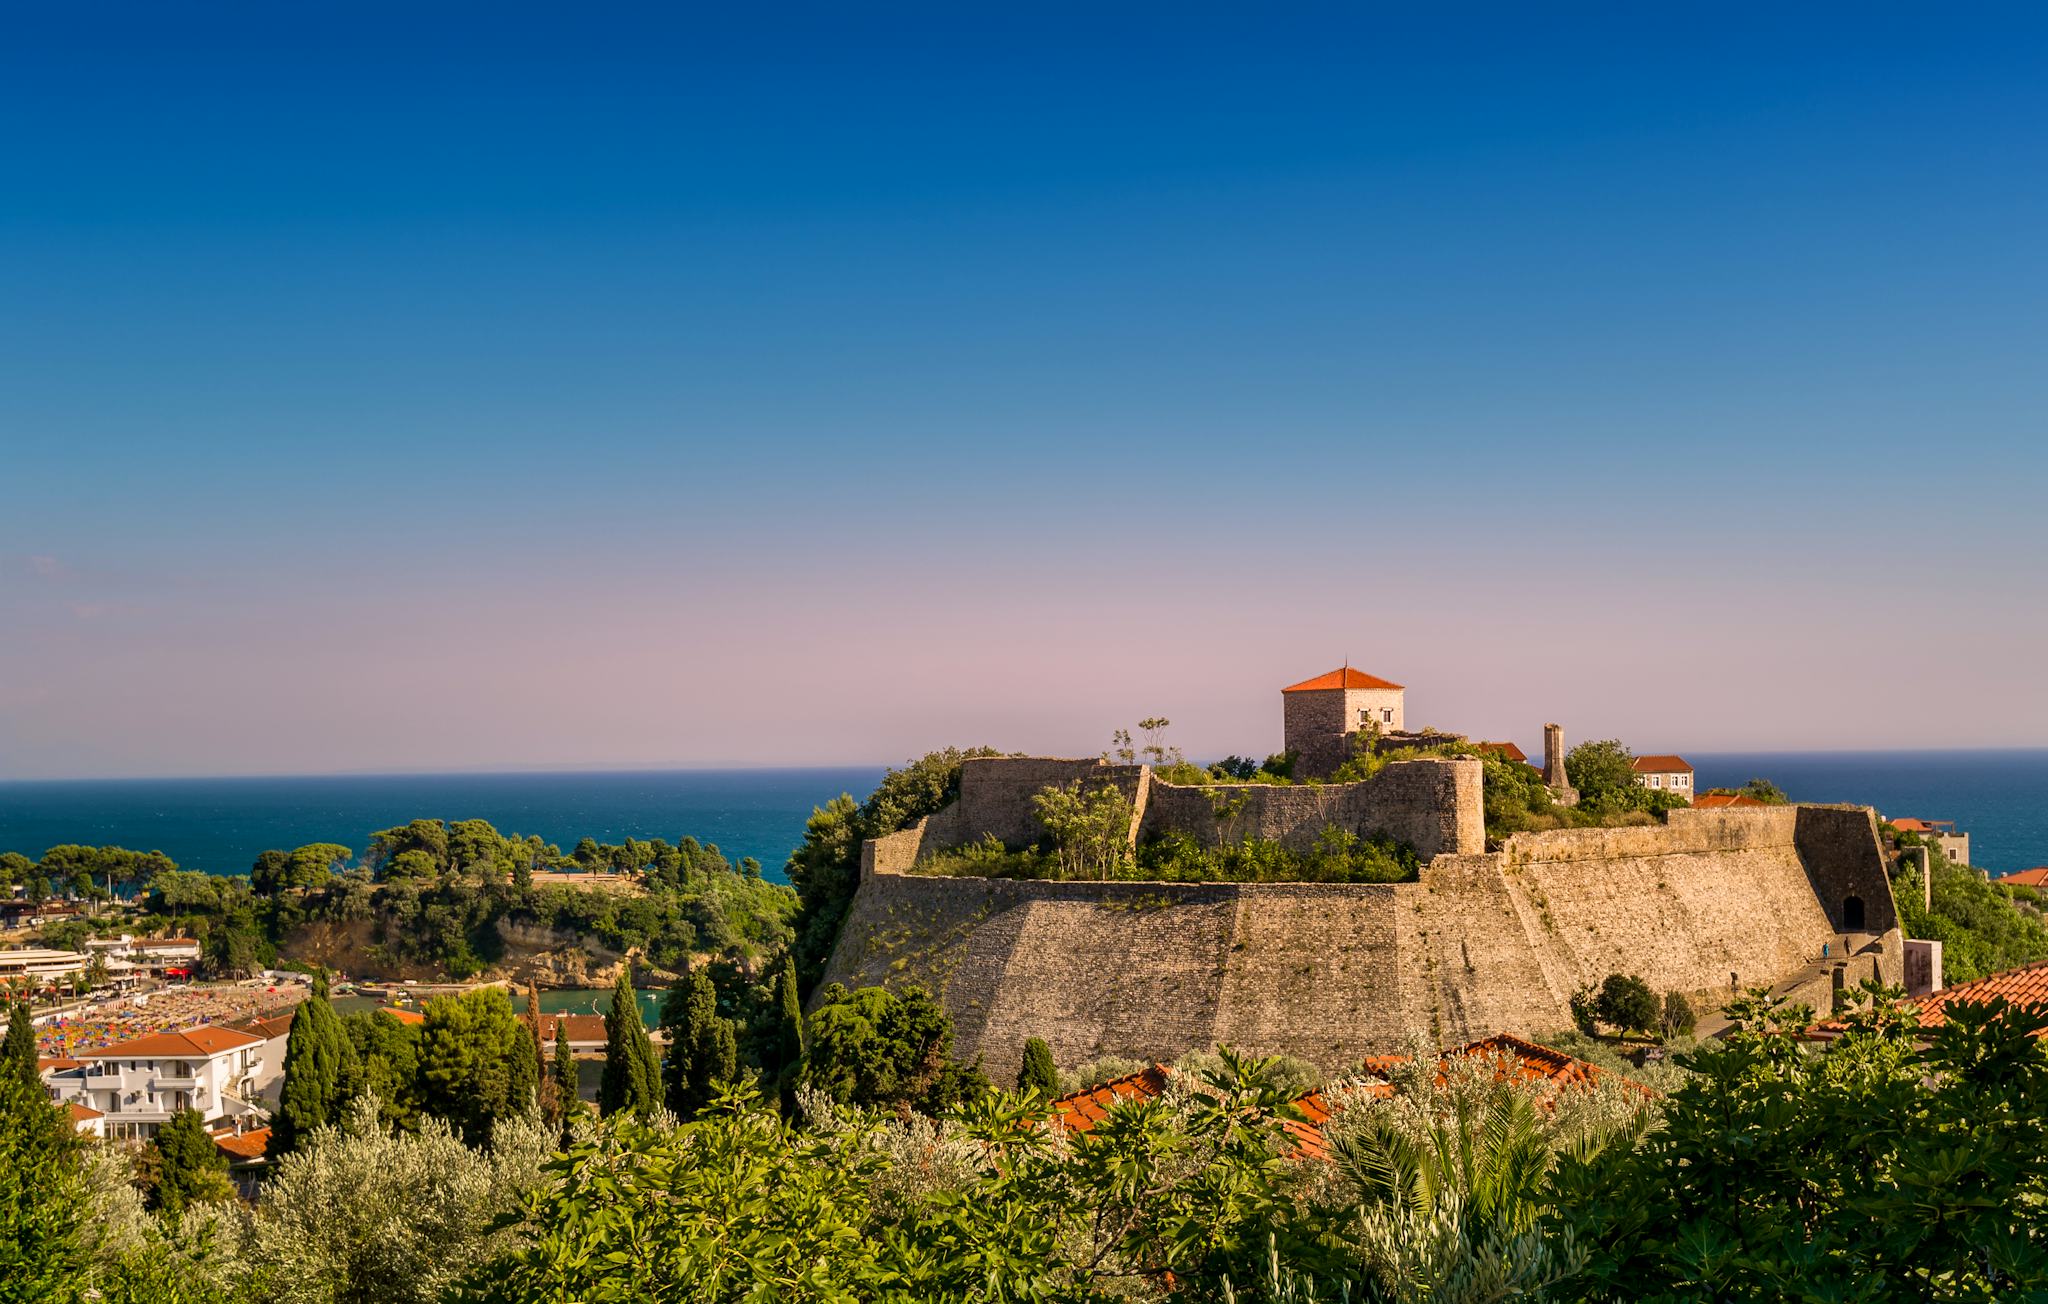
1344 678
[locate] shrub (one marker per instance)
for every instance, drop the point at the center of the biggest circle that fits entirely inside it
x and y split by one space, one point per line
1038 1073
1679 1020
1627 1003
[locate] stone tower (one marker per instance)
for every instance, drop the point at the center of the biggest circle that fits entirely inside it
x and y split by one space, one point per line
1554 778
1318 716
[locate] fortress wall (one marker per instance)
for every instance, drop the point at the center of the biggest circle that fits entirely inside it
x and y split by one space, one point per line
1842 851
996 793
1433 805
1483 943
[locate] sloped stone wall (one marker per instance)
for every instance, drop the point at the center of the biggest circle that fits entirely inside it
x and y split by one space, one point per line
1483 943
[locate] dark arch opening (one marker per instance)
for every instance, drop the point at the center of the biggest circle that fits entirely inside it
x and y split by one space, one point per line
1852 914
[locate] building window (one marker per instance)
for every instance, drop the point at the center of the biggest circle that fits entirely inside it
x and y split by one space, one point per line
1387 714
1656 781
1364 715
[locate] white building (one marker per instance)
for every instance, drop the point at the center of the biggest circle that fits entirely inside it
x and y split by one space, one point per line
138 1085
35 966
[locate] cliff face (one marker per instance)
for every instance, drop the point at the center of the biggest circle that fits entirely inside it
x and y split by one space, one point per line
1333 972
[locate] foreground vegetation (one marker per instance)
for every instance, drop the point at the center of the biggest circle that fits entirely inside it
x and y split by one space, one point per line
1875 1170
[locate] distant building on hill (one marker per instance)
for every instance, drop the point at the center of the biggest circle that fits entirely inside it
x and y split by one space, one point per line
1504 751
1672 774
1939 833
2036 877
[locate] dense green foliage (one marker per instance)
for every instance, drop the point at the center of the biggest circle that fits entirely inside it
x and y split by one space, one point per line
1627 1003
703 1047
1335 857
468 1075
871 1046
186 1166
39 1214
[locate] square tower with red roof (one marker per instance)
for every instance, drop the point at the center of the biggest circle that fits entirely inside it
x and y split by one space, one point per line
1318 716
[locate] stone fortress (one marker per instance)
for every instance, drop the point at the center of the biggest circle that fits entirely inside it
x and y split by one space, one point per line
1488 940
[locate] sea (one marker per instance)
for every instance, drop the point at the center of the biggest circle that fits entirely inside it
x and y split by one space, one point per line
2000 798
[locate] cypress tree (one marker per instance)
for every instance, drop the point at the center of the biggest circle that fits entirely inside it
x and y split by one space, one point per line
522 1087
40 1199
632 1074
687 1014
790 1046
566 1087
543 1085
316 1071
1038 1073
20 1049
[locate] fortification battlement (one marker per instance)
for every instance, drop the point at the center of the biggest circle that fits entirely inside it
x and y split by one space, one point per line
1484 942
1434 805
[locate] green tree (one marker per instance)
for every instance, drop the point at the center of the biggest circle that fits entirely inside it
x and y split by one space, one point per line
312 866
383 1065
632 1073
271 873
467 1046
188 1167
1627 1003
789 1023
1603 772
318 1060
567 1086
39 1204
1038 1072
1679 1019
1091 828
871 1046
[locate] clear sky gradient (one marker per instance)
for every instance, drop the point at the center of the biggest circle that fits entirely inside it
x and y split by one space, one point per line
427 386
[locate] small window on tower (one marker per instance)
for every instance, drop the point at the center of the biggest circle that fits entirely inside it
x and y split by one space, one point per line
1387 714
1364 714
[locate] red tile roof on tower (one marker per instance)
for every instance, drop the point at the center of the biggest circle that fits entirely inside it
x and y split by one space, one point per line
196 1043
1506 751
1662 765
1344 678
2035 877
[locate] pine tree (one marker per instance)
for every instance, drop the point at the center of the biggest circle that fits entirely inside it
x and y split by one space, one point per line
632 1074
1038 1073
189 1165
317 1070
468 1047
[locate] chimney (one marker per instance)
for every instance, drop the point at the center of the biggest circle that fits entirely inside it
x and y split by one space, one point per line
1553 756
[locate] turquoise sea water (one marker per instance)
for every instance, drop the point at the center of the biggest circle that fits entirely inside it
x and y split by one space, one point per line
2000 798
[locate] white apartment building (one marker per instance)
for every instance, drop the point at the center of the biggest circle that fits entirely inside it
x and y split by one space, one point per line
138 1085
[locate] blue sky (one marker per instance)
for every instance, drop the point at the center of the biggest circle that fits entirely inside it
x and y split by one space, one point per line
509 385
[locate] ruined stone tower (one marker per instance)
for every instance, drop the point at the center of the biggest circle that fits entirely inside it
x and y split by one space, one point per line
1561 790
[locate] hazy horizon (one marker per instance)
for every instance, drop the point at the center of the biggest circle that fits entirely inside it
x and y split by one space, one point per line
426 391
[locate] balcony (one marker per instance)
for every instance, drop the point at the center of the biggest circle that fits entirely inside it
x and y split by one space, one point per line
162 1083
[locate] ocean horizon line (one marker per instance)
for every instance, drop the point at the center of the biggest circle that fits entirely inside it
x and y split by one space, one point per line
544 768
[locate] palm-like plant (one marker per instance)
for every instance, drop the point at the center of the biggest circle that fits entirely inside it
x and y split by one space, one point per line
1490 1156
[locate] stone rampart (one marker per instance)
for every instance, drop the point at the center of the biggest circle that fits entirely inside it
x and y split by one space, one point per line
1483 943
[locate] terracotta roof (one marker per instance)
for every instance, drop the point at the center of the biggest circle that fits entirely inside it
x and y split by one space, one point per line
270 1028
1911 825
1530 1063
1662 765
2035 877
413 1017
247 1145
81 1113
1710 800
56 1063
200 1043
582 1027
1506 751
2026 985
1084 1109
1344 678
